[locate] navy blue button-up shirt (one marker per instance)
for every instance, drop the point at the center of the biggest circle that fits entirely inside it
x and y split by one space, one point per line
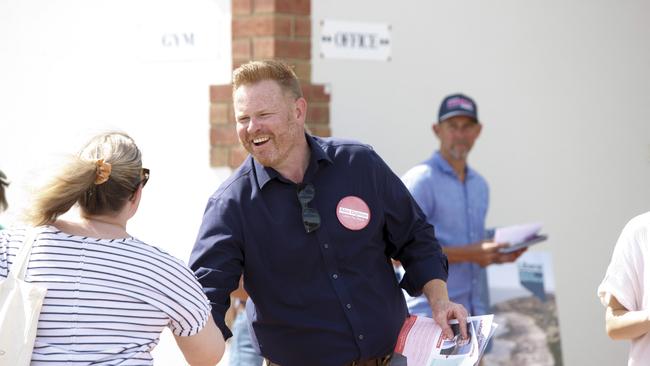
327 297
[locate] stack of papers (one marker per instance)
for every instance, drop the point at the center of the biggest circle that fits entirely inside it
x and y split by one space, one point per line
519 236
421 342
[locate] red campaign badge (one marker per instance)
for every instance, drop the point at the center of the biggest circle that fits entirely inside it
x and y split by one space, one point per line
353 213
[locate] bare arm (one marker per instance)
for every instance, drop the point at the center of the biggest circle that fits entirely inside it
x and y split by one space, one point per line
444 310
483 253
205 348
237 302
624 324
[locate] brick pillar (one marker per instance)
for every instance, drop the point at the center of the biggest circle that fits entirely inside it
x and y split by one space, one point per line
266 29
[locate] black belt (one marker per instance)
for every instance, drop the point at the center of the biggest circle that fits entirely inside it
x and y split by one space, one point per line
379 361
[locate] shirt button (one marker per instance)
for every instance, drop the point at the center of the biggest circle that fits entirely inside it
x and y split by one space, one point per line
361 337
335 276
326 246
349 306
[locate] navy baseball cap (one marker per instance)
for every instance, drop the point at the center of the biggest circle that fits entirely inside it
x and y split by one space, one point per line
457 105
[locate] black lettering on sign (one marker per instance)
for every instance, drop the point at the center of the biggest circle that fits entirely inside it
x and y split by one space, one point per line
356 40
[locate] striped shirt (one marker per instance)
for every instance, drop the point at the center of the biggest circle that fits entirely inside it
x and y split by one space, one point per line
108 300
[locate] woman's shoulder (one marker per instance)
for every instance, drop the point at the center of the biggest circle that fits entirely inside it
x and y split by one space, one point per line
17 232
154 250
157 259
129 248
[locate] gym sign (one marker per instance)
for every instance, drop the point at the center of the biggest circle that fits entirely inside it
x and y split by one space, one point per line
354 40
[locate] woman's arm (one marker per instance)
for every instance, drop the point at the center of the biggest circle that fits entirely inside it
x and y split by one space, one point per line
624 324
205 348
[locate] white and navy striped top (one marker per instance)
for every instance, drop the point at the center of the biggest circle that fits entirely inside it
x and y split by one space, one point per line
107 299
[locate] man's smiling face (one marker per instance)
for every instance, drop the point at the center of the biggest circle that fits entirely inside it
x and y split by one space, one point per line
267 122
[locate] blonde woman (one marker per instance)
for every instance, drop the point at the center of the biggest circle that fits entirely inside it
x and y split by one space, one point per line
109 294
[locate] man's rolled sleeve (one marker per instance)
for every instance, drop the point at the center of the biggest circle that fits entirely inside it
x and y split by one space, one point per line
419 271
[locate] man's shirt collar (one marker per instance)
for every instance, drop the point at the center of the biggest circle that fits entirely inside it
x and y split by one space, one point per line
265 174
445 167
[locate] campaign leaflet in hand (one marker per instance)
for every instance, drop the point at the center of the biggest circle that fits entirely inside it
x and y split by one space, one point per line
421 342
519 236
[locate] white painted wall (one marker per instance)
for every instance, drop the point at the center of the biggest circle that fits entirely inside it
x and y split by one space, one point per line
563 89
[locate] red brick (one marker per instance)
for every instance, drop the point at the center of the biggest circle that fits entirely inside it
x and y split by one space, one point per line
223 135
320 130
231 114
236 62
301 27
241 48
240 7
263 48
314 93
297 49
221 93
264 6
303 71
261 25
220 114
237 156
298 7
219 156
281 48
318 112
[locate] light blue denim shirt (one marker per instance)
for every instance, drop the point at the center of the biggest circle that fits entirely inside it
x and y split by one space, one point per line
457 212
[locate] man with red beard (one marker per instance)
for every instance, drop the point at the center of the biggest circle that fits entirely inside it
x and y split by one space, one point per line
454 198
312 224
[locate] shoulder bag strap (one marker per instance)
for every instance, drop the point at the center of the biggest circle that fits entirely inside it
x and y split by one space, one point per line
20 262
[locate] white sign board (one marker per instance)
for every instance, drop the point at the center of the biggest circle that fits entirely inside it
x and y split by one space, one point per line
355 40
191 31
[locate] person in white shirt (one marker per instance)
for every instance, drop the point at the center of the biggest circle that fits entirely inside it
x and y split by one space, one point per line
625 290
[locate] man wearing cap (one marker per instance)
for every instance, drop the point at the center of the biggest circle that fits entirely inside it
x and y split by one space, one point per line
454 198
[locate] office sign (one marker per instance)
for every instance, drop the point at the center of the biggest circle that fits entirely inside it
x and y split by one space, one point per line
355 40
